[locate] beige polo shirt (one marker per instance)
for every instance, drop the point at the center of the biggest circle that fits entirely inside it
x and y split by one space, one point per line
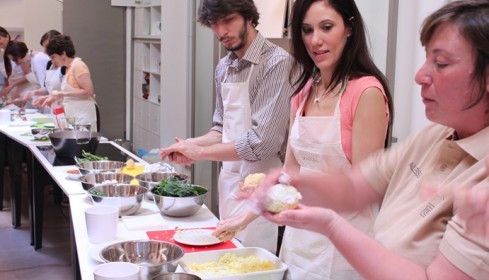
417 179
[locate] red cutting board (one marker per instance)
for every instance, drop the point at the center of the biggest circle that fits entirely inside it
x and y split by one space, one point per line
167 235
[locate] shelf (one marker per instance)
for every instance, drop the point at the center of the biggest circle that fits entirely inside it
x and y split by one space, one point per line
147 74
147 21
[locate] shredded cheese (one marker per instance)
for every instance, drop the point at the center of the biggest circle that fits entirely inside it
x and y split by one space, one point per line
230 264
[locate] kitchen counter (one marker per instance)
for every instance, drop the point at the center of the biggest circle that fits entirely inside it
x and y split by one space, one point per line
130 229
84 253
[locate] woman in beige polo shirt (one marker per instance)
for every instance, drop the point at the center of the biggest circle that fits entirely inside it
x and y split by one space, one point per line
418 233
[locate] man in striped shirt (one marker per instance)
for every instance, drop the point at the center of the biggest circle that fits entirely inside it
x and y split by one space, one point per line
250 123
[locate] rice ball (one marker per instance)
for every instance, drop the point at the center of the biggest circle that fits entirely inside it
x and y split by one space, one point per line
281 197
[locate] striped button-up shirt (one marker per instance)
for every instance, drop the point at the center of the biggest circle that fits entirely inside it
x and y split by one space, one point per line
270 92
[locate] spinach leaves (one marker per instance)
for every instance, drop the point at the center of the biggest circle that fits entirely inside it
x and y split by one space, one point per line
176 187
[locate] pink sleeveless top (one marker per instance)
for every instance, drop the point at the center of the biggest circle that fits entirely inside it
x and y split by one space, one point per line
348 105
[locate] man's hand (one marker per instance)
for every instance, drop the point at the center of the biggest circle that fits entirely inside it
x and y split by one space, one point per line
183 152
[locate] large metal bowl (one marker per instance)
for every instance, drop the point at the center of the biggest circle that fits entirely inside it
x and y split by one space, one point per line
177 276
96 179
90 167
179 206
65 143
126 197
151 179
153 257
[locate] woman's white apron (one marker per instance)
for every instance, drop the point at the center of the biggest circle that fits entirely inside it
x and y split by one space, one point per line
236 121
316 144
82 109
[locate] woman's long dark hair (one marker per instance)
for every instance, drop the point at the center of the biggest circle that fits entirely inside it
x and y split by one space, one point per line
355 60
4 33
17 50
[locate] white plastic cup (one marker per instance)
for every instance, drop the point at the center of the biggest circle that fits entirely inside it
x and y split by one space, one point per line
101 221
116 271
5 116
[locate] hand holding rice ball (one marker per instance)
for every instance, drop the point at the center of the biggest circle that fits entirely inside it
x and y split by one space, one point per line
281 197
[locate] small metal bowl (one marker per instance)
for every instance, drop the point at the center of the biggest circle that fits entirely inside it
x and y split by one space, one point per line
125 196
100 166
151 179
177 276
153 257
179 206
96 179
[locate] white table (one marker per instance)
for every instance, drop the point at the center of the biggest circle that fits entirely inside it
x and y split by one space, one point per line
78 203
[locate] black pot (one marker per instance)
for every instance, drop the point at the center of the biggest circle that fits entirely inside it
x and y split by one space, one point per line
65 143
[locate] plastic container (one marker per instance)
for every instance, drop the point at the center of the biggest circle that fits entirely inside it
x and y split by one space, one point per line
214 256
59 118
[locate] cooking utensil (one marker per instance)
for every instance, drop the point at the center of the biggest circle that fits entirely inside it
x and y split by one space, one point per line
65 146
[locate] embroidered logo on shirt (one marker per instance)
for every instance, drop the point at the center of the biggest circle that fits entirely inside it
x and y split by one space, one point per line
416 171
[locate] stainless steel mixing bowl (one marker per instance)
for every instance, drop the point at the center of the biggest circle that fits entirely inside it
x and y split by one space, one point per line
100 166
179 206
125 196
91 180
151 179
153 257
177 276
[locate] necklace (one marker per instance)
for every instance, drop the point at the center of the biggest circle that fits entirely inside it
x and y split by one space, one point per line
325 93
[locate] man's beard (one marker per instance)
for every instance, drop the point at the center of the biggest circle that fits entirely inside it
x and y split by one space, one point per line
243 34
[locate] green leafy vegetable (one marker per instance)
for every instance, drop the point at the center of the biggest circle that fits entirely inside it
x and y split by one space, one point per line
86 156
97 192
176 187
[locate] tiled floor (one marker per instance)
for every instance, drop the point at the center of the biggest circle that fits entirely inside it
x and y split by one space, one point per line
18 259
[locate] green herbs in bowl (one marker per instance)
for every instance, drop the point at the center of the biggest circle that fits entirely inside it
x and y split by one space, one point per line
177 198
176 187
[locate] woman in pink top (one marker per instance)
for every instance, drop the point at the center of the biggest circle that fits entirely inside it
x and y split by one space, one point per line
338 117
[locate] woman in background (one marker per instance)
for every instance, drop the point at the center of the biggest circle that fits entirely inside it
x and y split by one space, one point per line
31 64
53 77
76 92
4 39
339 116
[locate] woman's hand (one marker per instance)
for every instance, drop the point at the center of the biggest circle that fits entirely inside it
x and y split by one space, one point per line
317 219
226 229
473 207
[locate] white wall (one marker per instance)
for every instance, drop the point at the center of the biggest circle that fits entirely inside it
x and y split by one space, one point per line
409 109
34 17
376 18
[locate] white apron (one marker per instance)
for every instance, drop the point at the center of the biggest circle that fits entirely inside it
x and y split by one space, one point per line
82 108
236 121
316 143
53 79
52 82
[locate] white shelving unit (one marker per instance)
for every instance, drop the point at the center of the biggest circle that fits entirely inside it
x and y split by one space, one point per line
146 82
